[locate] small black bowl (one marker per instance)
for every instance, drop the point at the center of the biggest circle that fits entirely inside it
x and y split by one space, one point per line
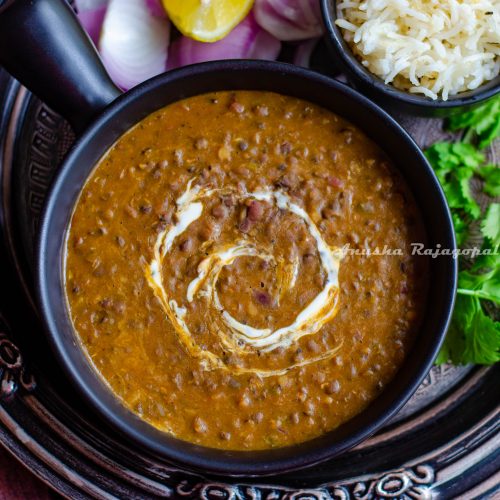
387 95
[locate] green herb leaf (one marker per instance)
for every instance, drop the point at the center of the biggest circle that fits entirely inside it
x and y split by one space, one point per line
489 259
491 177
483 286
490 225
482 122
461 229
473 337
455 164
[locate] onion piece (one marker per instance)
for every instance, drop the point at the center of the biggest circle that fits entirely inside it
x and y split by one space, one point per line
91 15
303 53
247 41
290 20
133 43
156 8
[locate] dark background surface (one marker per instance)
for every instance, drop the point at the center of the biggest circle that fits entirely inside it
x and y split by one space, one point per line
16 482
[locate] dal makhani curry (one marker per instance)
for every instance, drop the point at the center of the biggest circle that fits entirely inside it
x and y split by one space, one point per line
211 279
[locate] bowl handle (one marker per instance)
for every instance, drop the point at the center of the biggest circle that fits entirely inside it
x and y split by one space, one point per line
43 45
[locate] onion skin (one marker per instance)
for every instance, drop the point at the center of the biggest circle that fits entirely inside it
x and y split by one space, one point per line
247 41
290 20
303 53
133 43
156 8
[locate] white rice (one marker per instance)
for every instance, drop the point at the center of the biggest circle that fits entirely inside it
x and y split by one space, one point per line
430 47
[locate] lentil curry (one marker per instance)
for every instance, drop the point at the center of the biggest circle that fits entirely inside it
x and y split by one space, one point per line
208 276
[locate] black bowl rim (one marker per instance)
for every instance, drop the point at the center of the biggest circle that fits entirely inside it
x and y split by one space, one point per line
127 422
355 68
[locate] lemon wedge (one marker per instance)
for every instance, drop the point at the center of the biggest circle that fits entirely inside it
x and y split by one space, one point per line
206 20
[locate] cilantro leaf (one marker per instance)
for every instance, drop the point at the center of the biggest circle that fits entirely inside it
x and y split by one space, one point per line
473 337
489 258
483 286
467 154
461 229
445 156
444 355
490 226
482 122
467 202
455 165
491 177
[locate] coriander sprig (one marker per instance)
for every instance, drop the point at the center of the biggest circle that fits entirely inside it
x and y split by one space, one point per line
482 124
474 334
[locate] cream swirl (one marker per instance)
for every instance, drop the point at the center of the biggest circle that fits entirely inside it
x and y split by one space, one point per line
237 337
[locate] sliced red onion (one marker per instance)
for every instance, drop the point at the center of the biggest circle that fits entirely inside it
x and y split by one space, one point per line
156 8
290 20
91 15
247 41
133 43
303 53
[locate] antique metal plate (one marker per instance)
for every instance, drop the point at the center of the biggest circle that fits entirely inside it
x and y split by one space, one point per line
443 443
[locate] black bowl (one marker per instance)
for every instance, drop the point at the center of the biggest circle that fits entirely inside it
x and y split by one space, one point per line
42 44
387 95
250 75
